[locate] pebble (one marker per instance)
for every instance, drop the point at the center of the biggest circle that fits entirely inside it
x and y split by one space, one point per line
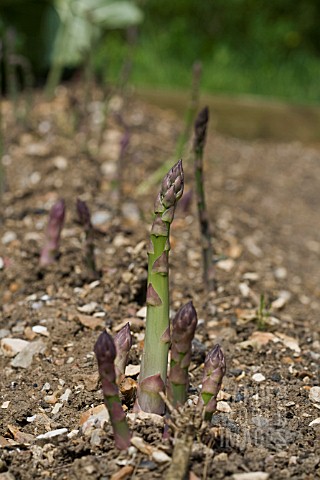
223 407
96 416
250 476
100 217
314 394
88 307
65 396
25 357
160 457
226 265
12 346
132 370
314 422
61 163
41 330
5 404
8 237
1 263
142 313
56 408
51 435
258 377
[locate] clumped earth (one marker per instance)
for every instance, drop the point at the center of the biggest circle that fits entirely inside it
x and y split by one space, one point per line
263 201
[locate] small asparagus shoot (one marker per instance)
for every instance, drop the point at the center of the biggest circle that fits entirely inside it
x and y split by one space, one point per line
85 220
105 351
213 373
153 375
183 329
123 343
201 124
55 224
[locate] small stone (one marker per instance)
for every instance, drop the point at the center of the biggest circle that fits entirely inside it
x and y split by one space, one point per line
25 357
282 300
132 370
41 330
315 422
250 476
56 408
142 313
223 407
65 396
88 308
258 377
100 217
96 416
280 273
12 346
160 457
5 404
124 473
4 333
8 237
157 420
61 163
1 263
51 435
90 322
226 265
314 394
95 438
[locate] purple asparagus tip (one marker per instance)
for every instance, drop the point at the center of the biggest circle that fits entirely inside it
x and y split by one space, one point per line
200 128
55 224
83 213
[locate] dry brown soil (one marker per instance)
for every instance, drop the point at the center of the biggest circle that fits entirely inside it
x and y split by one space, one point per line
263 201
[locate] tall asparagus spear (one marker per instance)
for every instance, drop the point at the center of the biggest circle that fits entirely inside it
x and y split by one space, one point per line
214 370
85 220
105 351
123 343
55 224
200 126
153 373
183 329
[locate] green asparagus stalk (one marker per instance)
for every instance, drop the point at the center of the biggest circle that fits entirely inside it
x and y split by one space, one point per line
201 124
123 343
105 351
55 224
183 329
214 370
153 373
85 220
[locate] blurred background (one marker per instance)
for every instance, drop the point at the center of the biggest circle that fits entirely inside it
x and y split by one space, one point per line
258 47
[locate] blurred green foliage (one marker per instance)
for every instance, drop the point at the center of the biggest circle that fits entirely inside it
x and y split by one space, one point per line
268 47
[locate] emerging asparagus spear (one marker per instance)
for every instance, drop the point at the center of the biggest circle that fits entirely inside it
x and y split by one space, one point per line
105 351
153 373
55 224
198 147
214 370
183 328
123 343
85 220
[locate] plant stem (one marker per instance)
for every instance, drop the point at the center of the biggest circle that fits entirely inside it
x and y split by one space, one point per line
154 363
207 250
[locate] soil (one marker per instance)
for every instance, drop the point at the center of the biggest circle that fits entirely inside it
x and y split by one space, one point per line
263 202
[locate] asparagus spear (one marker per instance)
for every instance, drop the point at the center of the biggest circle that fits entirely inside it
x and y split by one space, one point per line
105 351
183 329
214 370
123 343
85 220
153 373
55 224
201 124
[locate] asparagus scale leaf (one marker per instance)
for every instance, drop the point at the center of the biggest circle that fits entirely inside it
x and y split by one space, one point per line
123 344
213 373
55 225
183 329
157 336
105 351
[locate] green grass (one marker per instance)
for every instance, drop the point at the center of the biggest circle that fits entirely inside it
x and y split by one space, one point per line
294 79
